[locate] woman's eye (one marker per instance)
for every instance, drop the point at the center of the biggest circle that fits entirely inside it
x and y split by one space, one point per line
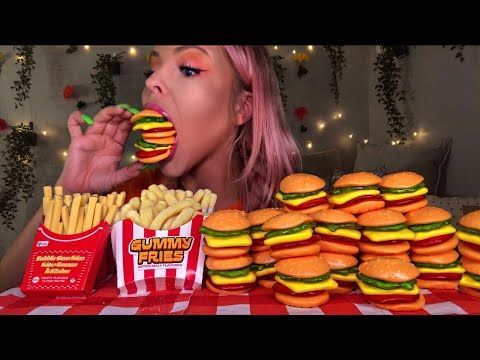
148 73
189 71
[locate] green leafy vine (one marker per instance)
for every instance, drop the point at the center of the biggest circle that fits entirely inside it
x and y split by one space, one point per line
24 57
338 63
102 78
388 91
18 172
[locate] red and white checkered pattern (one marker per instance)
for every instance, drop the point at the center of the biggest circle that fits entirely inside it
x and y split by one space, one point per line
106 301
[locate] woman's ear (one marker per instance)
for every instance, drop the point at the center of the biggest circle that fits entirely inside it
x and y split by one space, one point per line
244 108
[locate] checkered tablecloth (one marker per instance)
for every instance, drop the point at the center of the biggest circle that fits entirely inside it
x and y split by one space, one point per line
105 301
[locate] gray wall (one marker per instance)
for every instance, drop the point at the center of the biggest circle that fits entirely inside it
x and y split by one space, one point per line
445 103
313 91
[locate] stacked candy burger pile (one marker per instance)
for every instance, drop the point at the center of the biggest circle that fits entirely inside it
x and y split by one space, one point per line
263 263
390 284
158 135
339 245
302 193
404 191
433 249
357 193
228 243
310 249
303 277
384 233
469 247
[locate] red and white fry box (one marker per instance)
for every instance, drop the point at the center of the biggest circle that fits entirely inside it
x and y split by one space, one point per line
65 265
155 260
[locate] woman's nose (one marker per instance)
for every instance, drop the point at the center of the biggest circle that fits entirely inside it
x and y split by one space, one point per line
154 84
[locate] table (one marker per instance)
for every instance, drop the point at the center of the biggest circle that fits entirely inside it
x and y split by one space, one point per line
106 301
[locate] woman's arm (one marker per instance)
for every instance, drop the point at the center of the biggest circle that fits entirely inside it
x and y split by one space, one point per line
13 263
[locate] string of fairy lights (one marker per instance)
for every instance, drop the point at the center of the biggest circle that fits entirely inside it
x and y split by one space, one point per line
320 124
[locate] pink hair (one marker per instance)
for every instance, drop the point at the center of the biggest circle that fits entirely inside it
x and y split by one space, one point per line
265 145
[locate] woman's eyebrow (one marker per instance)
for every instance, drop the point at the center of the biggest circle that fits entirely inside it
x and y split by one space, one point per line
183 48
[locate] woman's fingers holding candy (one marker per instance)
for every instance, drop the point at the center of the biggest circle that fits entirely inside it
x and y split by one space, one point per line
123 130
126 173
74 122
108 115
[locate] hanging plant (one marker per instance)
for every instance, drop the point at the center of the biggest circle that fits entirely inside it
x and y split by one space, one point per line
116 62
301 58
300 113
24 56
81 105
102 79
458 49
338 62
280 72
19 179
388 92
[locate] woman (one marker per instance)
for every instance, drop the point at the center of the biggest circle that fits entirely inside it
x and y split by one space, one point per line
232 136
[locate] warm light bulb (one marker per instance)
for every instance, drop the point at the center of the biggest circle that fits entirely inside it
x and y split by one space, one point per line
394 143
65 154
44 133
320 125
275 47
132 51
294 51
309 144
350 136
133 157
310 47
398 141
365 141
415 133
339 115
87 47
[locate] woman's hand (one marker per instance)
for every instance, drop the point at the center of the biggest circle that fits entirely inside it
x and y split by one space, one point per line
93 158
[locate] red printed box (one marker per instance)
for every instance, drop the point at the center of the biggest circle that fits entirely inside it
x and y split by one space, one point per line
65 265
154 260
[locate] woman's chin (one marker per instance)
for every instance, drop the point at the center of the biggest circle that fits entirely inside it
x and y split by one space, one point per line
172 168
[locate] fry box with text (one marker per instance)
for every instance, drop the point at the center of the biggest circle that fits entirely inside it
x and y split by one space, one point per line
65 265
155 260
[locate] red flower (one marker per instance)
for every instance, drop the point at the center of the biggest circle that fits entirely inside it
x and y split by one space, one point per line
300 112
68 92
3 125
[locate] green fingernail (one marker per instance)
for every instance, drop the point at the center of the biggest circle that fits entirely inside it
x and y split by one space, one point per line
88 120
129 108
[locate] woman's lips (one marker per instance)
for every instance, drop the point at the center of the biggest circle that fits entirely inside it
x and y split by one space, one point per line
172 151
158 108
